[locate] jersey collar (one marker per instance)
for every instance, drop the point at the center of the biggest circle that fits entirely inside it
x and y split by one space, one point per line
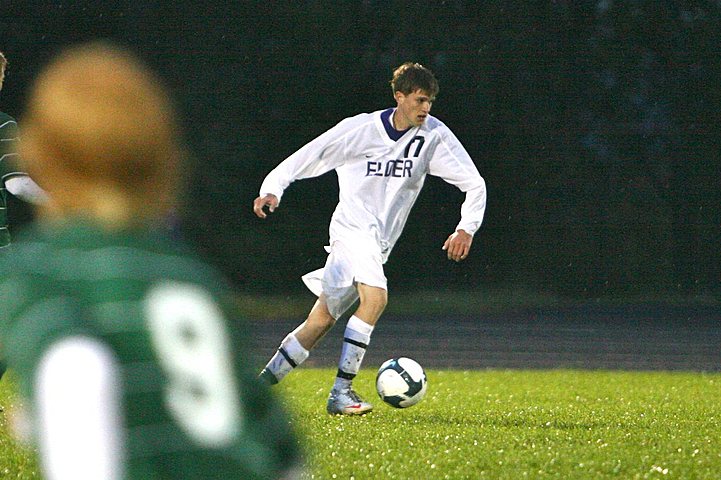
394 134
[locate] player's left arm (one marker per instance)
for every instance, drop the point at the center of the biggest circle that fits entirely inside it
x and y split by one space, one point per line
452 163
458 245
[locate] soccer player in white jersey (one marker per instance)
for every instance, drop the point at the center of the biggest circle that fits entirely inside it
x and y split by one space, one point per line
381 160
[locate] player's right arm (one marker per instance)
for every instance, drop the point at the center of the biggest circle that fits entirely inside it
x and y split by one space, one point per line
268 200
321 155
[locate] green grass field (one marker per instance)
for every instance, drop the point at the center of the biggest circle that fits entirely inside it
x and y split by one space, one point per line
519 424
16 461
499 425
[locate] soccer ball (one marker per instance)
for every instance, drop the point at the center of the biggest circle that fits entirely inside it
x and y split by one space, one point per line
401 382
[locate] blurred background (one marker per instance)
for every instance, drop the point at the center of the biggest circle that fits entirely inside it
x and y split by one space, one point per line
594 123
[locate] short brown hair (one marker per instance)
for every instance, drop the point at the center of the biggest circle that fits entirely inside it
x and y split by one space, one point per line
411 76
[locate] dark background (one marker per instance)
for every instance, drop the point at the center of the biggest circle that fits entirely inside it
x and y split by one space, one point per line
594 123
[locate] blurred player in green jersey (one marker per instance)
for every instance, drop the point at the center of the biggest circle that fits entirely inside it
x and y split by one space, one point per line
12 179
120 337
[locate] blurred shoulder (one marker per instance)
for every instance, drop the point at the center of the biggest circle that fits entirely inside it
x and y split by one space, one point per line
81 250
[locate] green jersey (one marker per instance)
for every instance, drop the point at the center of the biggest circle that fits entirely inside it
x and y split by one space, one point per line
8 159
191 405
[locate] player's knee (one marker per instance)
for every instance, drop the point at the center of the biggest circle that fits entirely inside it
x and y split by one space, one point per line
322 321
374 299
328 322
382 300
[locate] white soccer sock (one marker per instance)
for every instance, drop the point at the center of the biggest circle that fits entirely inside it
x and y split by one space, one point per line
357 336
290 354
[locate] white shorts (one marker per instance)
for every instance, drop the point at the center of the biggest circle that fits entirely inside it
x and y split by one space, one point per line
346 266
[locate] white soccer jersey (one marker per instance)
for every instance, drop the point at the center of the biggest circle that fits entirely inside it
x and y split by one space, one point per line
380 178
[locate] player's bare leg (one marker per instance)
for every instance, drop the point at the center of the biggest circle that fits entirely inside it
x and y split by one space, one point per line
373 301
343 400
317 324
296 346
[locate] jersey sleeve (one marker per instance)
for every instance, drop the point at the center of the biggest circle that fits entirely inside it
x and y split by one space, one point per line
25 188
9 139
319 156
452 163
77 403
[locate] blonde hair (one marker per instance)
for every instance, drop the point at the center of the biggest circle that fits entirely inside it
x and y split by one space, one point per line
100 123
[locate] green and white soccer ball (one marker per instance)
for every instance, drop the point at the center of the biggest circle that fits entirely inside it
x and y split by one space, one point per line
401 382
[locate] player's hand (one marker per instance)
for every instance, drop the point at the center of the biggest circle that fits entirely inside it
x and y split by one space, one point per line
458 245
269 200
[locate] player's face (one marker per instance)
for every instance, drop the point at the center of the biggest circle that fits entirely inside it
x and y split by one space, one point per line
413 109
